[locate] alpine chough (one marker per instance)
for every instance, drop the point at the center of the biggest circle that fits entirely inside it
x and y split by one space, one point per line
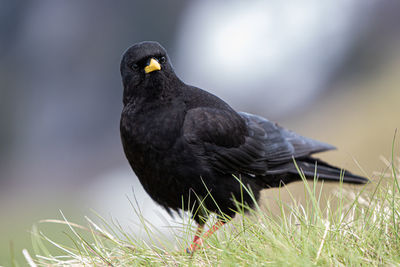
188 146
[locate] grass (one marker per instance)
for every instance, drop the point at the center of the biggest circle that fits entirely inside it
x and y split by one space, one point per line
348 229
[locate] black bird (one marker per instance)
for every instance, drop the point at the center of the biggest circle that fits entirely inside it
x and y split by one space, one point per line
185 144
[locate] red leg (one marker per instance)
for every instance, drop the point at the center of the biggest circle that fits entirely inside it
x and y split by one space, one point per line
199 230
213 229
198 241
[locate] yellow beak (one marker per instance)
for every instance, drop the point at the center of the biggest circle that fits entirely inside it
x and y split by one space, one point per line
153 66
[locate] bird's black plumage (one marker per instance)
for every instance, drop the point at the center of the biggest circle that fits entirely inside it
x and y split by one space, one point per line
184 143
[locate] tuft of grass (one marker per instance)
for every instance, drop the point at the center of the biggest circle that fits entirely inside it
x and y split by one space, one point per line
352 229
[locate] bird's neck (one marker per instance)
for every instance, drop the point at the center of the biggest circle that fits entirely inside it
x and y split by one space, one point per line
160 91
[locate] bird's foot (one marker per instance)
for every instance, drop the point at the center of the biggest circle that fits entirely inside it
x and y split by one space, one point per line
198 241
195 246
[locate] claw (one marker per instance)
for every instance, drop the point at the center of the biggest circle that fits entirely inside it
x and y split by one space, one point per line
198 241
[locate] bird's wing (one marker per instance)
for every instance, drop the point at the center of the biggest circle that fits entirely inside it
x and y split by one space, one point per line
221 138
243 143
280 144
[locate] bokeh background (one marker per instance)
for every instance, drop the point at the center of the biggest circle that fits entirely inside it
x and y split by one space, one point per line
329 70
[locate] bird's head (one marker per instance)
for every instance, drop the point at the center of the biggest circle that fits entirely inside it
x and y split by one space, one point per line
145 68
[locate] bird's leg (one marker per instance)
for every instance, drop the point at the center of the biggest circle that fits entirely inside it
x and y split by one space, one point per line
199 230
198 241
213 229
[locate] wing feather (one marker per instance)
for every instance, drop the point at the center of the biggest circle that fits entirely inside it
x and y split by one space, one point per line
245 143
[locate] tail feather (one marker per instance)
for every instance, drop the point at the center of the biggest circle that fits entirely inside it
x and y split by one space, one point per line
328 172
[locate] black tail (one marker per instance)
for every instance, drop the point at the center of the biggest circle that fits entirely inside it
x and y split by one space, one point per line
327 172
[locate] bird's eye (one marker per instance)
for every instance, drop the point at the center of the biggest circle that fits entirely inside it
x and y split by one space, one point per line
162 60
134 66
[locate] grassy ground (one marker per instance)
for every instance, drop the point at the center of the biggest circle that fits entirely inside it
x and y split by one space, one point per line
352 228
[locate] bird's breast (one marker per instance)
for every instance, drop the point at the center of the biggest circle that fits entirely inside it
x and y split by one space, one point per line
153 130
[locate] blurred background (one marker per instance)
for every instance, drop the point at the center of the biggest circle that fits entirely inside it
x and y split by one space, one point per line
329 70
